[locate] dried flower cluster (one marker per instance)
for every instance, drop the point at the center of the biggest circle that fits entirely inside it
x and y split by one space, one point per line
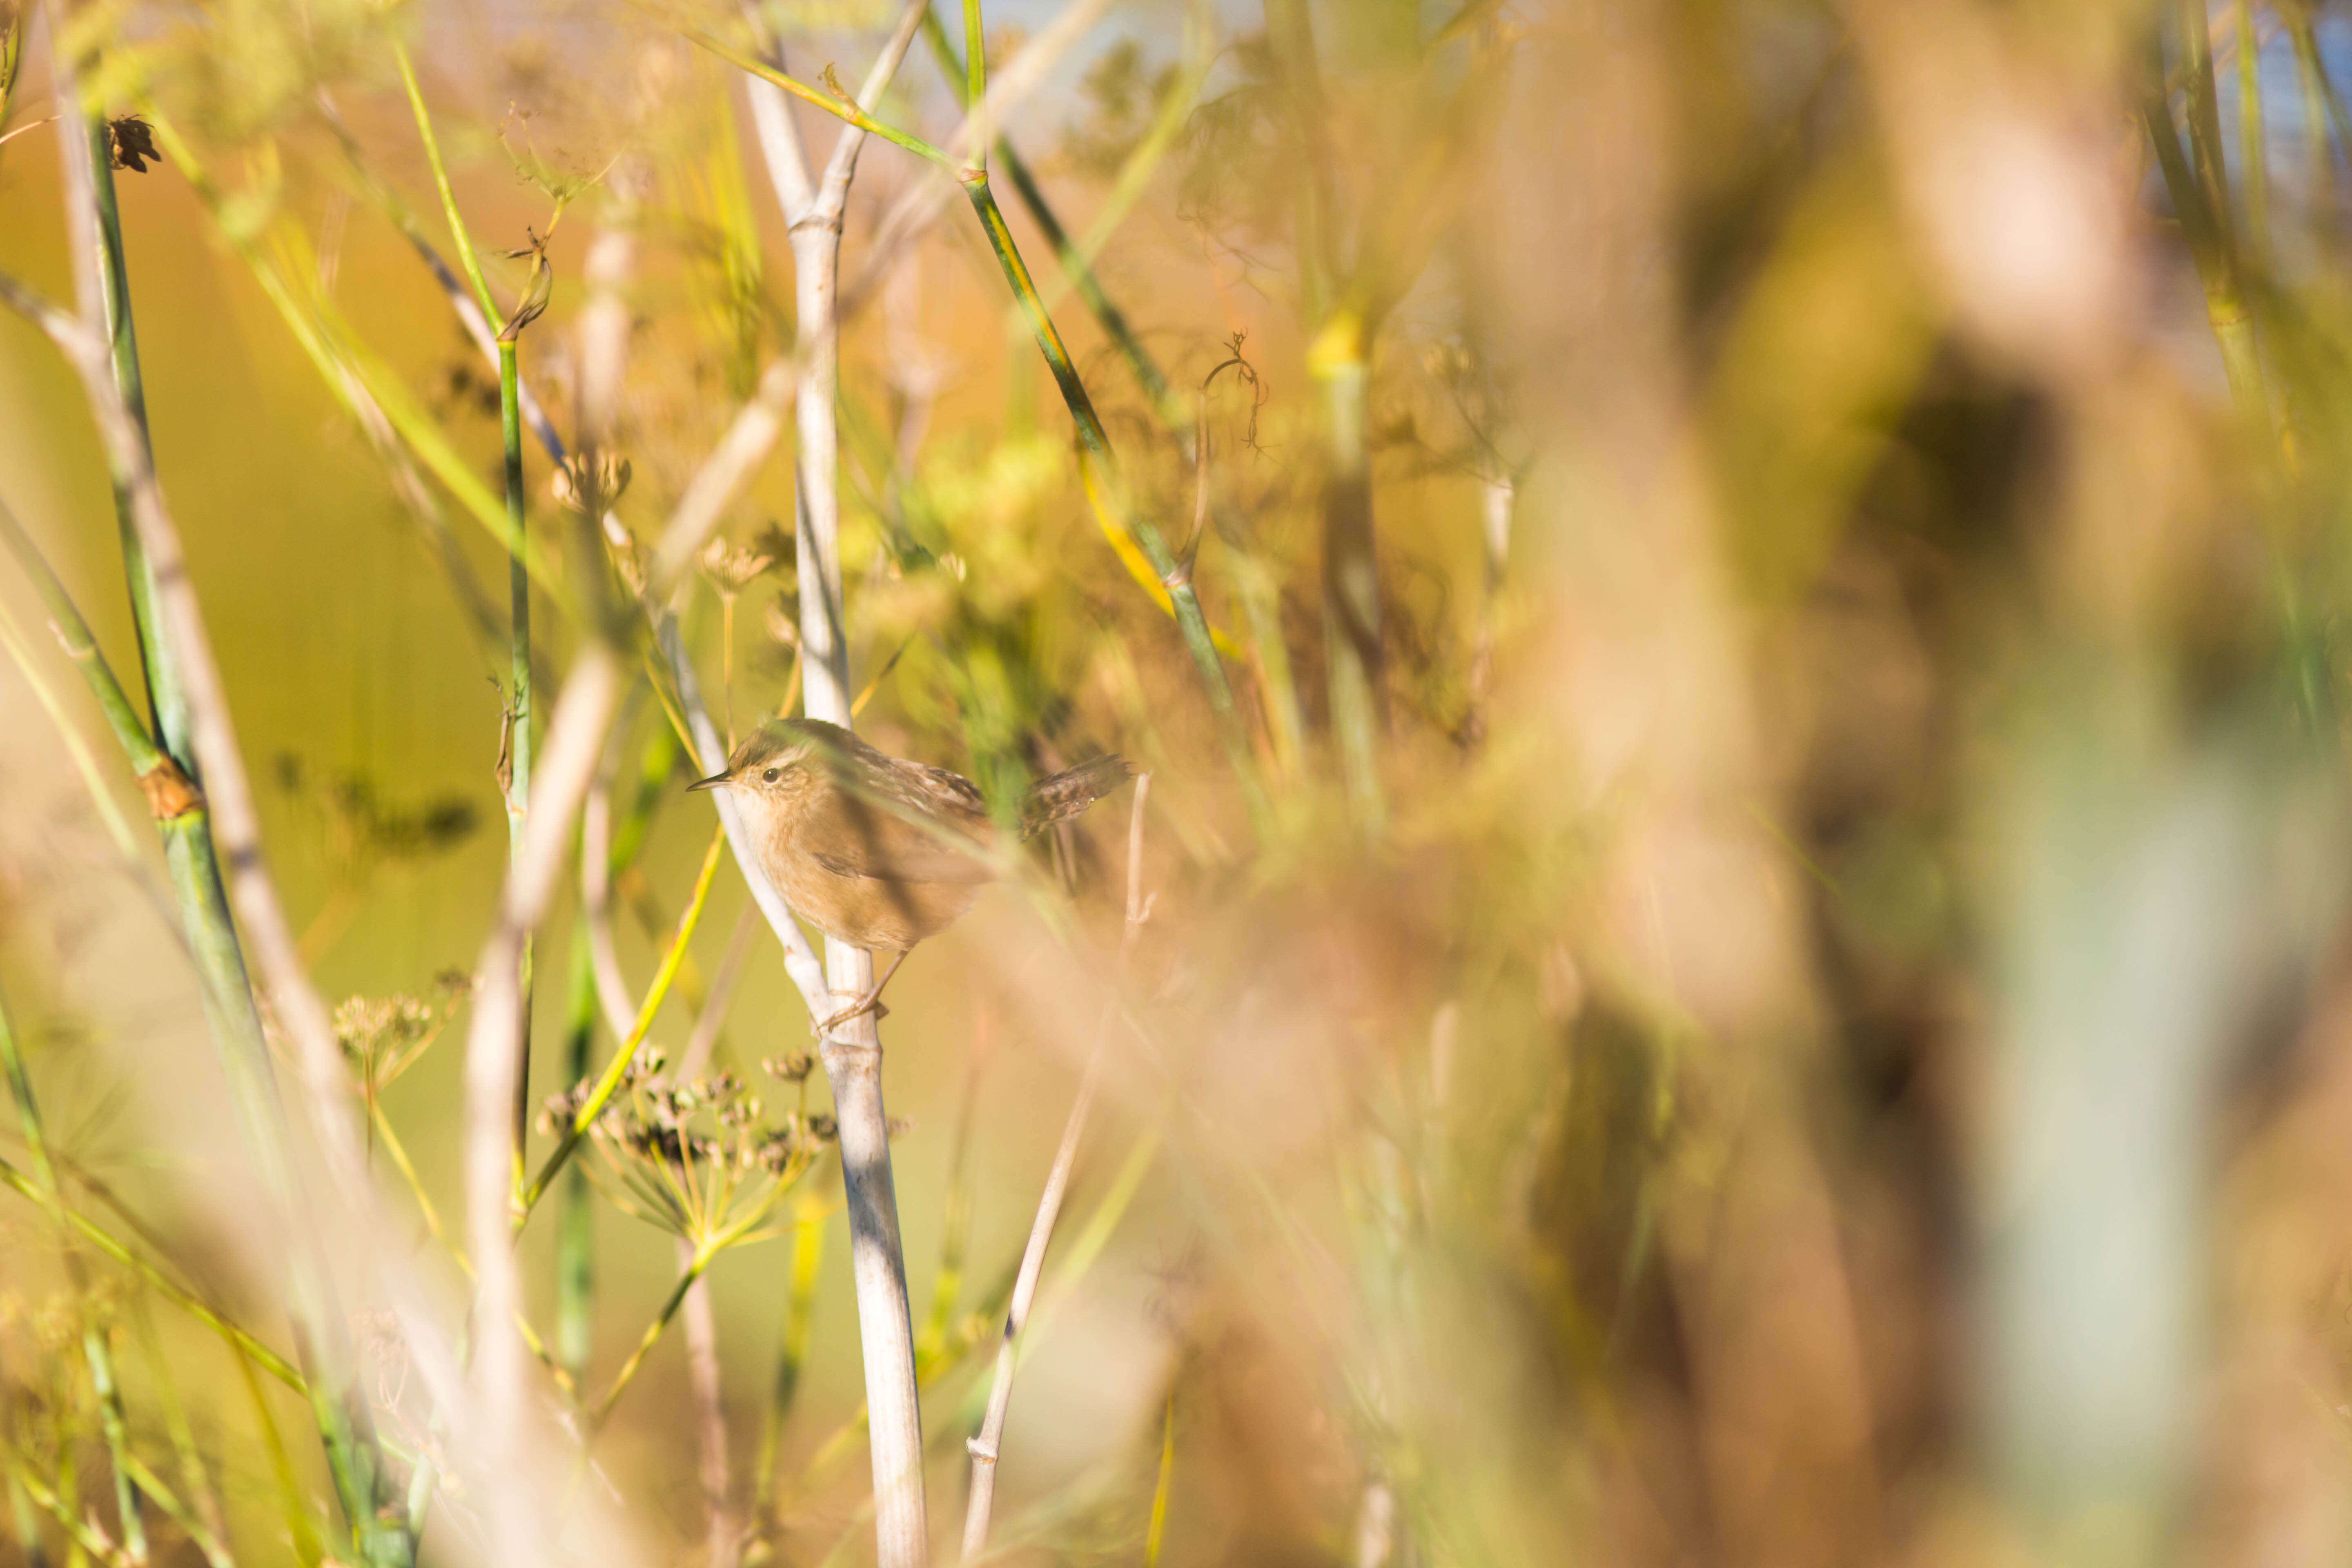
702 1158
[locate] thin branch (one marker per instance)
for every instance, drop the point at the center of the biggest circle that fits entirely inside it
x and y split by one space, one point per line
466 256
851 1050
493 1065
147 760
98 1354
832 194
914 213
987 1446
191 708
839 105
616 1069
748 439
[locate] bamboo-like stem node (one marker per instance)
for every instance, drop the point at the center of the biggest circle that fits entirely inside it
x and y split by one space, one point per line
171 793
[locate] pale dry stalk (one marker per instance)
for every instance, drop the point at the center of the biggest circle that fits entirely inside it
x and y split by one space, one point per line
987 1446
494 1048
228 794
851 1051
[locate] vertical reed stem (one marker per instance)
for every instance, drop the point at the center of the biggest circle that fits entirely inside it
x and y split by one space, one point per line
1100 467
165 697
519 705
987 1446
339 1406
575 1218
1351 582
851 1051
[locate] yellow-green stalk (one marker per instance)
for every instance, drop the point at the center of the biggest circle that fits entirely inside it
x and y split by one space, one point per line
338 1405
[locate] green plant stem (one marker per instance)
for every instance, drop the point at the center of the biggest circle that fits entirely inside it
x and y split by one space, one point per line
69 1489
696 1263
1087 286
2204 107
1351 585
354 375
1173 580
191 1523
294 1506
194 1474
575 1218
1096 456
975 86
161 1283
29 1544
519 708
337 1402
81 647
407 1169
2252 137
1339 358
97 1352
840 107
85 762
165 698
611 1082
1075 259
1156 1531
2202 225
346 1425
78 1534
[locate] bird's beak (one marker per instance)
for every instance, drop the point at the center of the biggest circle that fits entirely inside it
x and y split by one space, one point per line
713 782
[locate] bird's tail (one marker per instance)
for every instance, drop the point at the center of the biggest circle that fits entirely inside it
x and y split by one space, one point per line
1066 794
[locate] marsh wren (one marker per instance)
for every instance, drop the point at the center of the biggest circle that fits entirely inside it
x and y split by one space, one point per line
873 849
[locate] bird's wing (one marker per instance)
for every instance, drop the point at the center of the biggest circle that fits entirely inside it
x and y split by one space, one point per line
884 832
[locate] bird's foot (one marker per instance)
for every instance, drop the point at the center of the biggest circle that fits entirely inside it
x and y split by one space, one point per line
870 1003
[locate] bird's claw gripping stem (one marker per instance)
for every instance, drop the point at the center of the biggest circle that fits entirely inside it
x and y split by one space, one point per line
870 1003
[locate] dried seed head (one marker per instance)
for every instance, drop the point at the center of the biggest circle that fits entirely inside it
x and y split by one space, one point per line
536 292
603 475
732 568
131 143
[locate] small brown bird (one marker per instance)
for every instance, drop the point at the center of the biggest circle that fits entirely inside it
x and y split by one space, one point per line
873 849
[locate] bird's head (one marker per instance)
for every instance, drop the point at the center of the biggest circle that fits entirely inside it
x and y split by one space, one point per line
771 767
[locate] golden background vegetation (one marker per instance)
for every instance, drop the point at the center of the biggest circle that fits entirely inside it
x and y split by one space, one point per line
1813 1027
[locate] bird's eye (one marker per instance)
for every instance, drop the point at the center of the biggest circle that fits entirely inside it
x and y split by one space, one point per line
773 774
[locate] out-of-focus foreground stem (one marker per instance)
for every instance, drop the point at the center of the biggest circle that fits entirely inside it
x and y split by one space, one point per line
96 1353
338 1403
